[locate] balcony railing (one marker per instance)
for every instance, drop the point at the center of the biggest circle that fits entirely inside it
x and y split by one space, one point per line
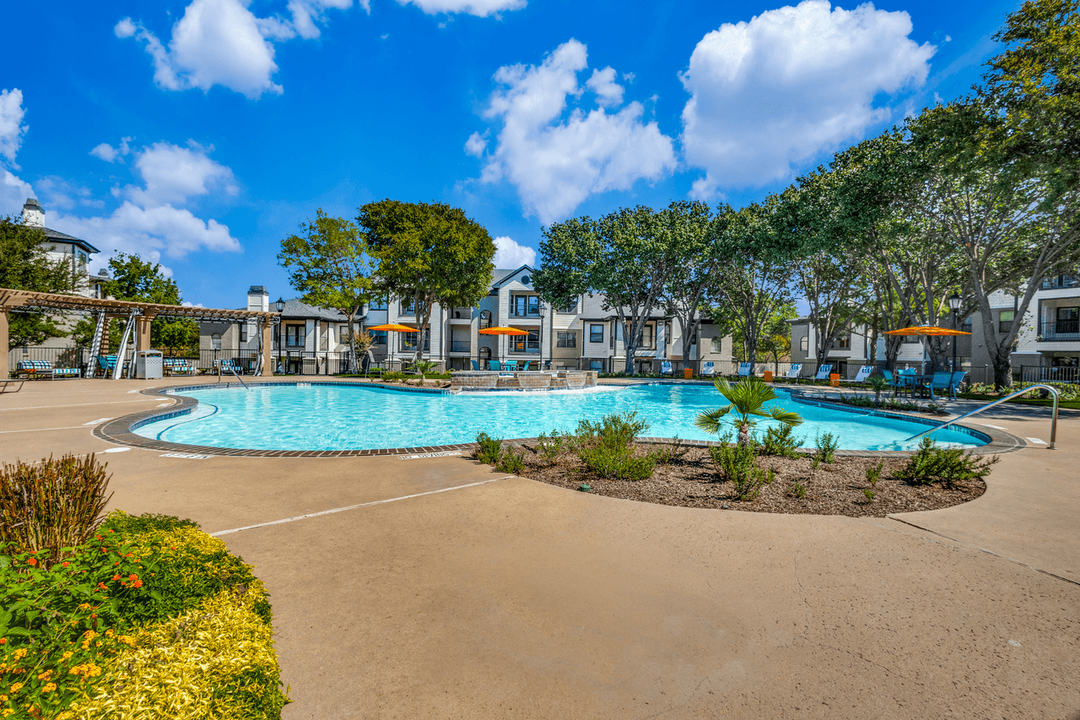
1060 330
529 313
460 346
1061 281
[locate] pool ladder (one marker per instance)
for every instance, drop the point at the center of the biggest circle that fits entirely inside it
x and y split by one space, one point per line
1010 396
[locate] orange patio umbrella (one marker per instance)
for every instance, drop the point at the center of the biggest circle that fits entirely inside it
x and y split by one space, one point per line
926 330
502 331
392 327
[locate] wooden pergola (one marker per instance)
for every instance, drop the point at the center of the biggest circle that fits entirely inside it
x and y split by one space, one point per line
144 314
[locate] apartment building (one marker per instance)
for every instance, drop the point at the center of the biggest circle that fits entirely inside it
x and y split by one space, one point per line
582 335
852 349
60 247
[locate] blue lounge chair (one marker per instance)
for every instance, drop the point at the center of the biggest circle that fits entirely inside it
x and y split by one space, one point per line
709 369
511 366
43 369
954 383
666 369
823 372
745 370
525 365
495 365
794 371
864 372
939 381
475 365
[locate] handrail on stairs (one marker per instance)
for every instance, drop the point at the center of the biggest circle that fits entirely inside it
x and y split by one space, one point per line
231 369
1010 396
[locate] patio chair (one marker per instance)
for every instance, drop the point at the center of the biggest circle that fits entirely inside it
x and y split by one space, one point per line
475 365
864 372
106 364
793 372
745 370
495 365
823 372
34 369
954 382
939 381
525 365
511 366
708 369
666 369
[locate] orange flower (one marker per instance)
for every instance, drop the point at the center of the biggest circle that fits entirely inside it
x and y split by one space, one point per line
133 577
116 577
32 561
66 564
137 583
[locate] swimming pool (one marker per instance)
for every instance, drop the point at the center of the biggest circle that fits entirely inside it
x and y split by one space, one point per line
326 416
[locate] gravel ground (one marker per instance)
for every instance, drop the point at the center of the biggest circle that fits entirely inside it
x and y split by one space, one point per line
691 481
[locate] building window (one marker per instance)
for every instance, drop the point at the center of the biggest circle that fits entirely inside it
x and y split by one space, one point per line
804 343
525 305
409 340
570 307
596 333
717 344
597 365
1005 320
1068 320
294 336
379 336
912 339
648 337
526 343
843 342
243 332
485 319
566 340
377 305
215 341
408 307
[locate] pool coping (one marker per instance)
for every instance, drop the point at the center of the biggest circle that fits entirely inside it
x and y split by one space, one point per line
120 430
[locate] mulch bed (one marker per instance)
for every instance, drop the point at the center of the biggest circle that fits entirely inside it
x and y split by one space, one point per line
692 481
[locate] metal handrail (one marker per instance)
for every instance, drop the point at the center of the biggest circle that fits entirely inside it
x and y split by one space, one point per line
231 369
1010 396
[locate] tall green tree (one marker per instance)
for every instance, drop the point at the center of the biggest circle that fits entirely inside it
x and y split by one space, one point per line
692 230
137 280
775 341
625 256
24 265
754 281
329 264
429 252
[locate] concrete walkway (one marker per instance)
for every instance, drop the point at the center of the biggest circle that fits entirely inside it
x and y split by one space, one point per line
473 595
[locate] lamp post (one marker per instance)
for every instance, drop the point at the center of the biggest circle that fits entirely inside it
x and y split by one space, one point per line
280 305
954 305
540 311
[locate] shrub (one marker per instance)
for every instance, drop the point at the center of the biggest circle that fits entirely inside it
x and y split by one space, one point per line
780 441
869 495
489 450
900 405
738 464
510 461
672 451
797 490
873 473
551 448
827 443
614 431
618 464
948 466
52 505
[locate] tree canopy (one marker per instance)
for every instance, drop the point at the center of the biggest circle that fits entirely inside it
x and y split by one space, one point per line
24 265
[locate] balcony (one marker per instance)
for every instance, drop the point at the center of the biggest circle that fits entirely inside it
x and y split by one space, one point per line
460 346
1059 282
1060 331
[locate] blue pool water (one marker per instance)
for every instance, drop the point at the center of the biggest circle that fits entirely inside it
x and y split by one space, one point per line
358 417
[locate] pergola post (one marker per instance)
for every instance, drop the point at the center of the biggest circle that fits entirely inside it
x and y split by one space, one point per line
4 369
142 335
267 347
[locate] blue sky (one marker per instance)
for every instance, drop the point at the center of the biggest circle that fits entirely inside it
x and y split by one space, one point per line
198 133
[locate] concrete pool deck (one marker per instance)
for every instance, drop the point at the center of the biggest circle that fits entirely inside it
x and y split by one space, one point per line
452 591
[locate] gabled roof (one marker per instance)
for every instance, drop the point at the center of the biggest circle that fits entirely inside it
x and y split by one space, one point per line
57 236
500 276
296 309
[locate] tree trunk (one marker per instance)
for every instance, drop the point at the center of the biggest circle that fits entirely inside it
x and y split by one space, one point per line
744 434
352 347
1002 360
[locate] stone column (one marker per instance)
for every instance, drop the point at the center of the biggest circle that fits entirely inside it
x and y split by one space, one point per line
268 347
4 369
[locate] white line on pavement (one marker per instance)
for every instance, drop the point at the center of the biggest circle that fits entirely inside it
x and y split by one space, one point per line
110 402
69 427
354 507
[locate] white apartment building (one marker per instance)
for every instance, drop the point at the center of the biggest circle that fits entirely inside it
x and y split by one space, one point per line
61 247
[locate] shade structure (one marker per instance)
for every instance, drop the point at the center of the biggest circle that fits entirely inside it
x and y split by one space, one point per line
930 330
392 327
502 331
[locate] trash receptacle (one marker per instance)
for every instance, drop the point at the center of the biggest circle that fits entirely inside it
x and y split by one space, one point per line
768 376
149 365
834 379
688 373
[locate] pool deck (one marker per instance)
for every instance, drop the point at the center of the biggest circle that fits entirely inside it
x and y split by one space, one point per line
433 587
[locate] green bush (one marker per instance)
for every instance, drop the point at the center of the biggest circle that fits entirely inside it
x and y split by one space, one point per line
873 473
614 431
670 451
780 441
827 443
948 466
510 462
618 464
798 490
551 448
489 450
738 464
52 505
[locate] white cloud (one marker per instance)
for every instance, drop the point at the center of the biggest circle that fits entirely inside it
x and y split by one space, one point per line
13 193
556 163
221 42
508 254
476 144
609 93
791 83
480 8
109 154
173 174
12 128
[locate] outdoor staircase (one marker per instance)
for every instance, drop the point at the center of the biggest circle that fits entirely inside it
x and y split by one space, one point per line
121 352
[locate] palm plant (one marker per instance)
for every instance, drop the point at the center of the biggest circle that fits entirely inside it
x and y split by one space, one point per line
747 399
423 367
879 385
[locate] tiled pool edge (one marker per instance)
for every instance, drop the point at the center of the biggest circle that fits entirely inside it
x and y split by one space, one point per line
119 430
